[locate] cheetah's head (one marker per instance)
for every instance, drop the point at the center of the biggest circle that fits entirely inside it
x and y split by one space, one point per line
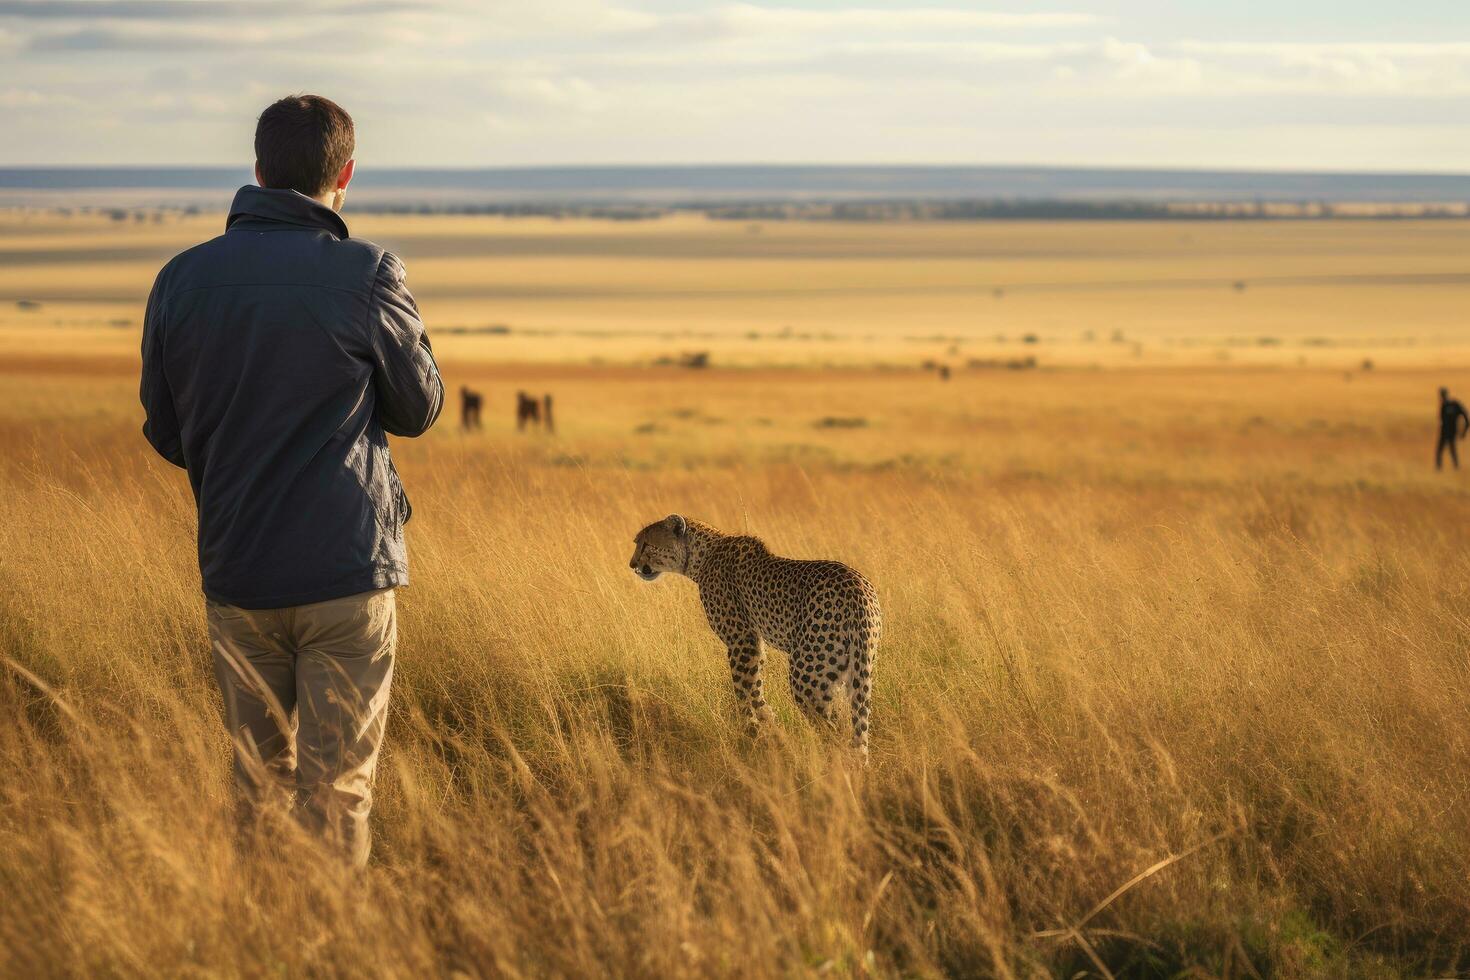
661 547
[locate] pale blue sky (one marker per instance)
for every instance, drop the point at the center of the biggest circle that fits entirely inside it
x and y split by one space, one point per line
1301 84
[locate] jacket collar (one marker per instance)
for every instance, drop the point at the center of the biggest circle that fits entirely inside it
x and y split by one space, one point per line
290 207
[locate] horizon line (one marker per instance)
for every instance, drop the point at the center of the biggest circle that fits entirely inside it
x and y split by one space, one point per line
1136 168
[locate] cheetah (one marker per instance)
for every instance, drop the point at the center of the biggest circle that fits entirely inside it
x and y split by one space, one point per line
822 614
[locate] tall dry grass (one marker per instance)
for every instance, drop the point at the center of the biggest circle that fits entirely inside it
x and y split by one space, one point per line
1167 640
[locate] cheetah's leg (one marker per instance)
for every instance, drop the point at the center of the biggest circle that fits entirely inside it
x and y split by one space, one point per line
743 645
815 678
746 657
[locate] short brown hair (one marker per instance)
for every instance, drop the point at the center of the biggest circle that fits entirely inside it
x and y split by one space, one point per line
302 142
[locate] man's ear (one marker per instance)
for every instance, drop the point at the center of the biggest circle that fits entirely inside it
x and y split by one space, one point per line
677 524
257 174
345 176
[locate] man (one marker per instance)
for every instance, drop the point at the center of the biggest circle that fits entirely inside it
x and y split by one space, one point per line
275 357
1453 424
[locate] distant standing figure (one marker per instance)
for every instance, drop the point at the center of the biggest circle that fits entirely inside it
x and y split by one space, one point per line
469 408
546 414
1454 422
528 409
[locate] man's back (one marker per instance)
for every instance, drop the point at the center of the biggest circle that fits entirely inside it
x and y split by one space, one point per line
275 357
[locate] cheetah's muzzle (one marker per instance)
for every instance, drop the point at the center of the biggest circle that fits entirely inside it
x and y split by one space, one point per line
647 574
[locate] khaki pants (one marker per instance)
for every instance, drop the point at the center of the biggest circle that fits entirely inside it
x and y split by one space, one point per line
306 699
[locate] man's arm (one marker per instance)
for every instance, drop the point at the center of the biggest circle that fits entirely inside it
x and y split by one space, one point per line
1464 420
410 392
161 420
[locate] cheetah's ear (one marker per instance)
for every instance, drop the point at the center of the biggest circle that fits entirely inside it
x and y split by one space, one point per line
676 524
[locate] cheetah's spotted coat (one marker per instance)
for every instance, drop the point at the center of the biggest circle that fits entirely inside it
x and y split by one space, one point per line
822 614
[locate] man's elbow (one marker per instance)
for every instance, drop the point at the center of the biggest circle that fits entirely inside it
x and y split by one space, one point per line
418 419
170 448
407 428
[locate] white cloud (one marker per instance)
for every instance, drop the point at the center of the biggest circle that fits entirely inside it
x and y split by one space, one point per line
748 19
19 98
1346 69
551 19
93 11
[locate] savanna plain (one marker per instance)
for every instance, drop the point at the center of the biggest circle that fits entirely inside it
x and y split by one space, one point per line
1175 664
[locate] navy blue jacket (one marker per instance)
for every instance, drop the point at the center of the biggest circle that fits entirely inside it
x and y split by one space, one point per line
275 359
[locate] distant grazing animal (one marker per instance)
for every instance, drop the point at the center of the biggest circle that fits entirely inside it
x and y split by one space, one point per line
823 614
546 414
469 408
528 409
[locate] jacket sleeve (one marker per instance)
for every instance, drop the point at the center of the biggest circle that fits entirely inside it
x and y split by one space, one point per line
161 420
405 376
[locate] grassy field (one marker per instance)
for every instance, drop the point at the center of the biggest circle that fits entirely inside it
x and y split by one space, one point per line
1323 294
1175 661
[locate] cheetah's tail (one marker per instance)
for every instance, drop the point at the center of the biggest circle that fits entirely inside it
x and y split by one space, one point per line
860 687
